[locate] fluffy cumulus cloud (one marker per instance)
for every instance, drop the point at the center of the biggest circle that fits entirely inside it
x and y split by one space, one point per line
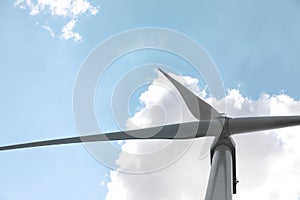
70 10
268 162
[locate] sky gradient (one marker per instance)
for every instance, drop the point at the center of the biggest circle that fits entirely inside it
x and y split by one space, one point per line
255 46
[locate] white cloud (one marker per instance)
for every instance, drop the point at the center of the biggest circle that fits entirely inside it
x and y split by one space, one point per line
268 163
62 8
161 96
70 9
68 32
49 29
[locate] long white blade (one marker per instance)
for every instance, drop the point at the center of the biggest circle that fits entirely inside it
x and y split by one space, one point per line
187 130
199 108
252 124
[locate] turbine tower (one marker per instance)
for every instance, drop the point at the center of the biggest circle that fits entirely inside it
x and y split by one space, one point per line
222 179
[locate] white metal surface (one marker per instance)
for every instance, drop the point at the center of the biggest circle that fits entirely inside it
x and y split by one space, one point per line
220 178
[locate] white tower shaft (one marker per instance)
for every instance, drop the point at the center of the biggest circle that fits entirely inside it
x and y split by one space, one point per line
220 178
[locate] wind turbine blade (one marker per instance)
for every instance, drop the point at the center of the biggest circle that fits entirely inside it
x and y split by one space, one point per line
174 131
199 108
252 124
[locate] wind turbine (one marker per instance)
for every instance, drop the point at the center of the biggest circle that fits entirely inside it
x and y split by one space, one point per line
222 179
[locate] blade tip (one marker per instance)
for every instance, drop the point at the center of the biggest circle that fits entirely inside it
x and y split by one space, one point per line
161 71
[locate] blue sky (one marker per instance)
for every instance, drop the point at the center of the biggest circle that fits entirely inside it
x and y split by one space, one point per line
255 45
